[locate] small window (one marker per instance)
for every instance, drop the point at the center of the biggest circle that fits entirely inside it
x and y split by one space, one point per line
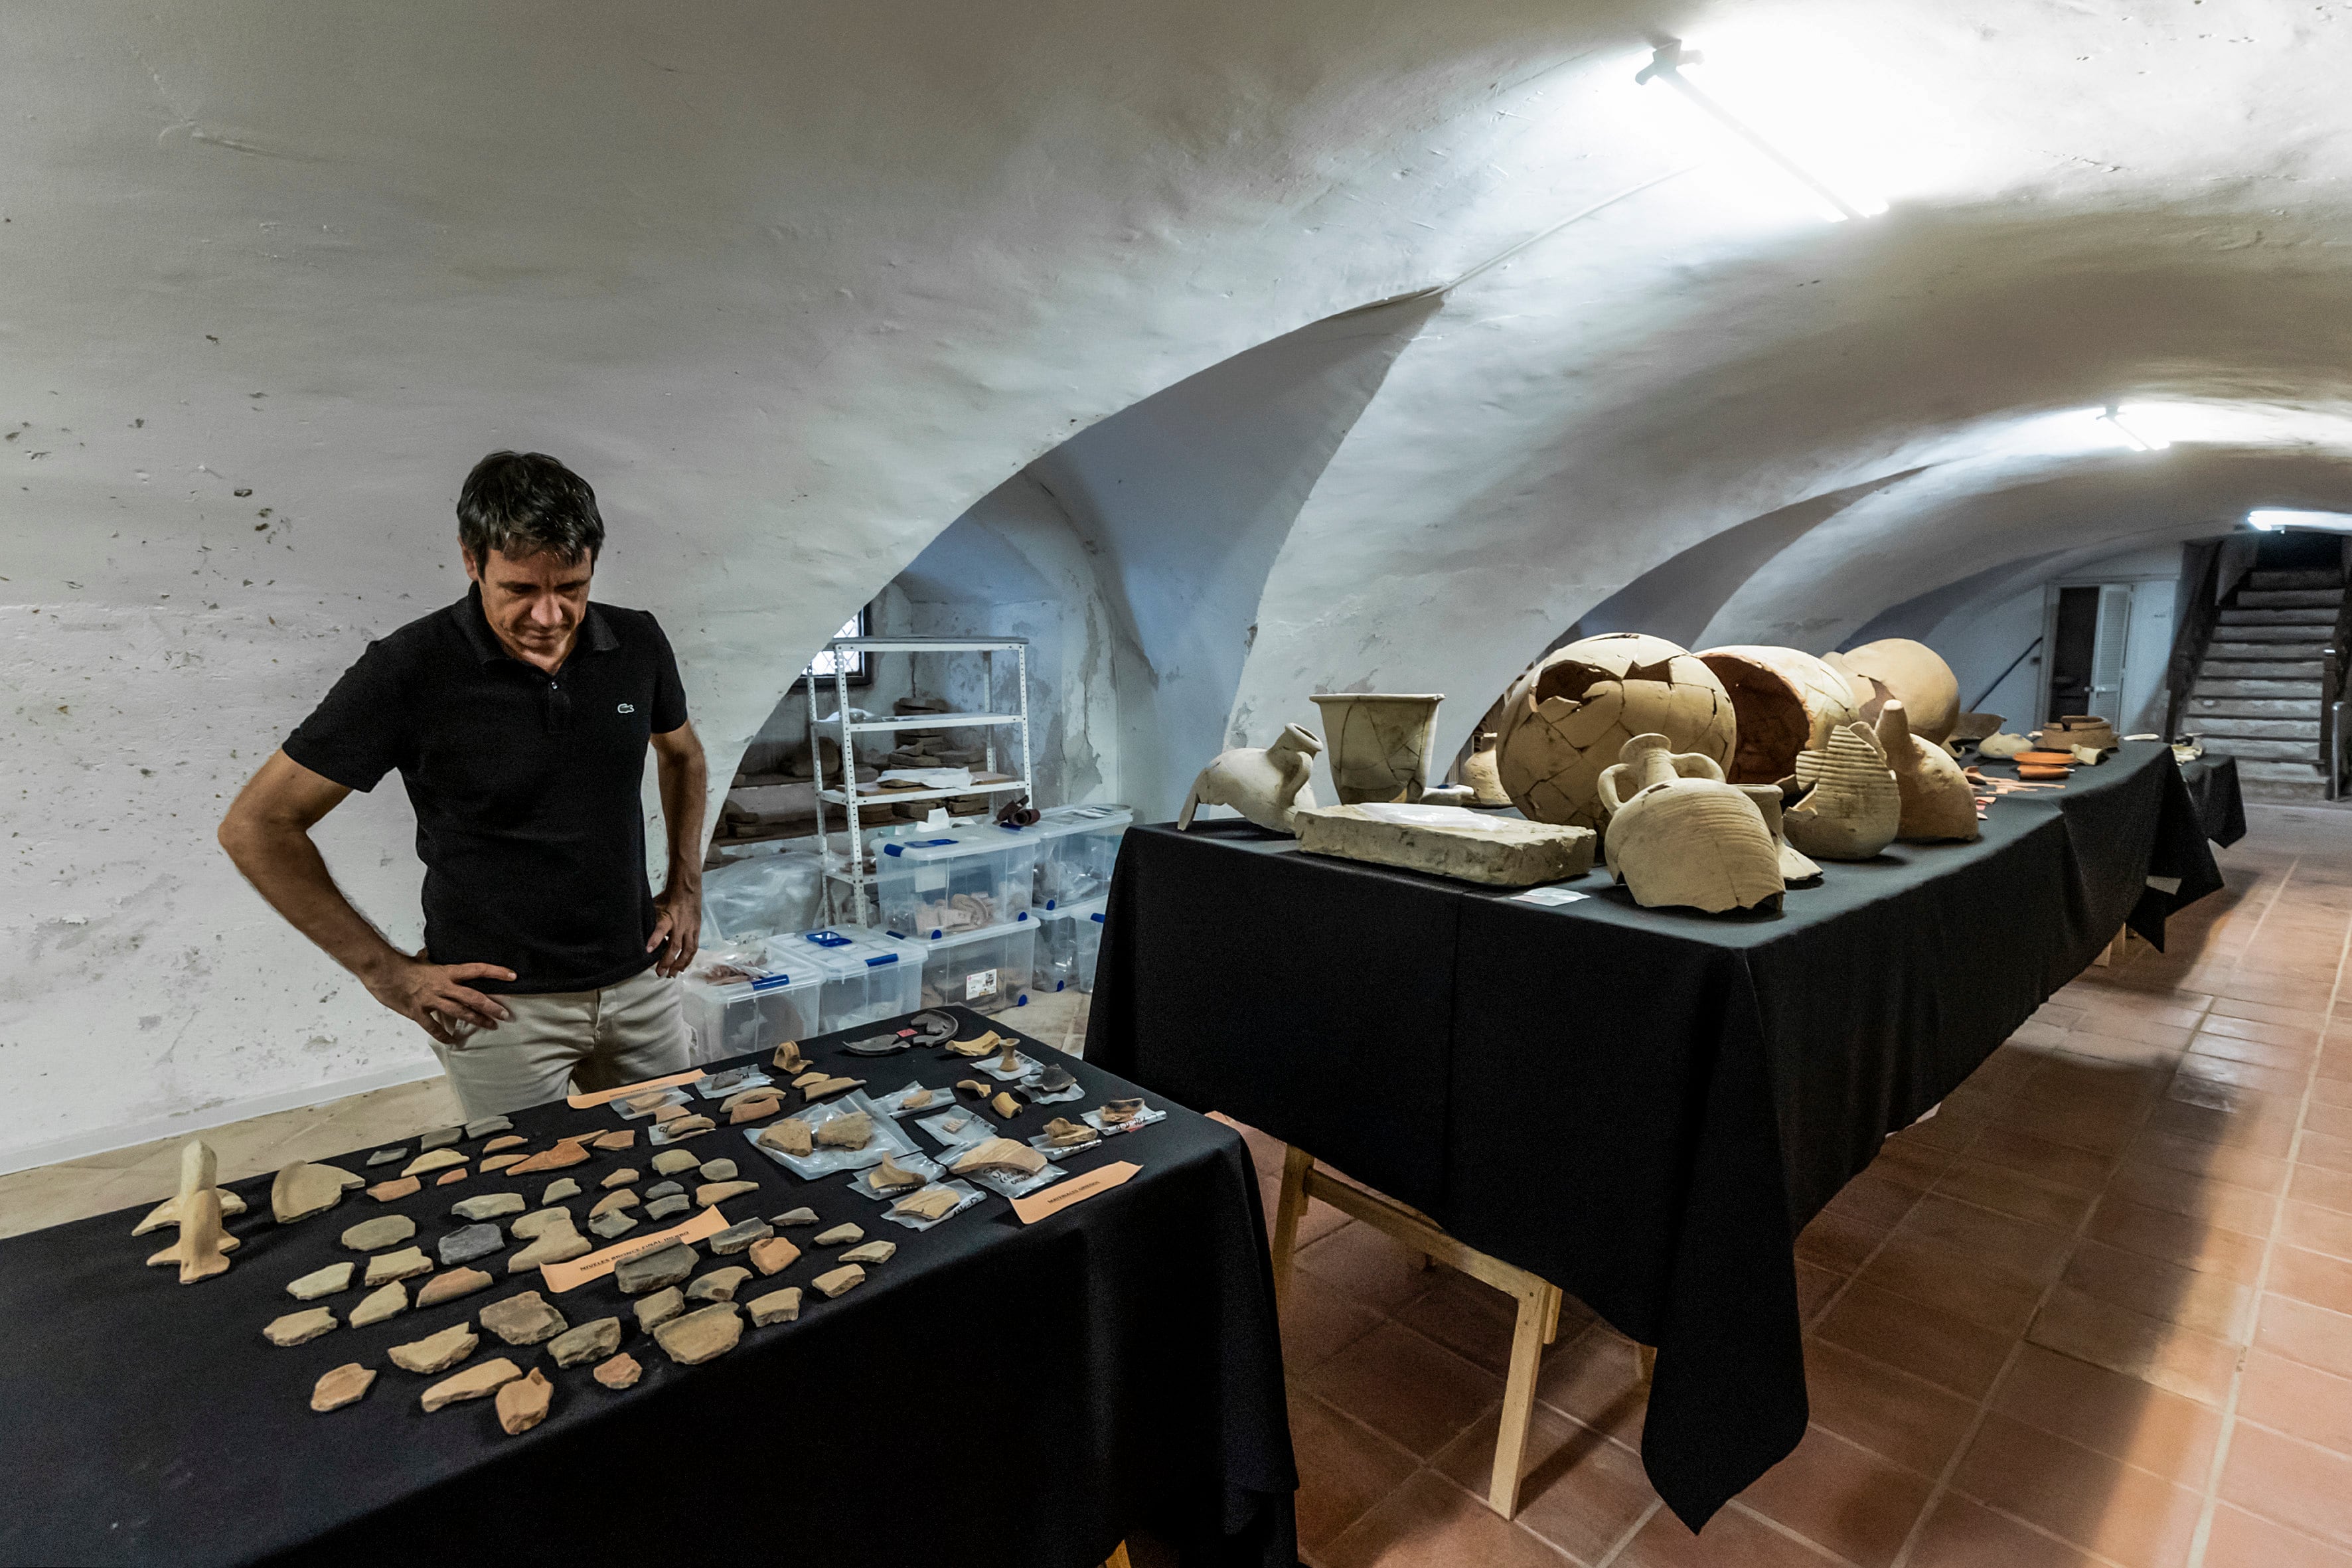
854 662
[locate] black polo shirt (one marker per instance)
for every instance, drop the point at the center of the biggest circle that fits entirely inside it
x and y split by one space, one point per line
527 785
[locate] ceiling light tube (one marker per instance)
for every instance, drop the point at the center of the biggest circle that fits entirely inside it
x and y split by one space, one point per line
2270 519
1665 65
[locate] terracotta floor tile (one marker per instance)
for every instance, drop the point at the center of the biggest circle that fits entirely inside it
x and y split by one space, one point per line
1873 1199
2217 1161
1961 1283
1734 1538
1367 1266
1319 1322
2243 1540
2295 1059
2195 1365
2304 1036
1919 1340
1343 1469
2096 1128
2012 1192
2262 1012
2331 1091
2321 1230
2325 1149
2313 1277
2301 1331
2242 1075
2035 1251
2263 1132
1470 1319
2104 1411
2176 1238
1838 1242
2317 1184
2297 1399
1577 1490
2058 1162
2041 1034
2240 1209
1406 1388
2328 1121
1841 1497
1597 1379
1430 1522
1963 1534
2210 1303
2113 1509
2004 1072
1894 1414
2290 1482
1906 1161
2084 1047
1815 1286
2154 1011
2122 1024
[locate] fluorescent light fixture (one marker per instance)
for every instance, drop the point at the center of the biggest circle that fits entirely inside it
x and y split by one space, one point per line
2270 519
2148 442
1837 198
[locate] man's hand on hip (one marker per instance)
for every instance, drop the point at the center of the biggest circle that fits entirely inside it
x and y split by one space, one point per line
435 995
677 932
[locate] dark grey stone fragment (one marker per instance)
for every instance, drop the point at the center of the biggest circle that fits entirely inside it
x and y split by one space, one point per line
662 1209
797 1217
738 1237
465 1244
667 1264
662 1190
488 1125
386 1156
613 1224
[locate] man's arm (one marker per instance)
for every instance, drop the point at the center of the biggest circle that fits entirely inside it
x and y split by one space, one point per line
685 778
267 833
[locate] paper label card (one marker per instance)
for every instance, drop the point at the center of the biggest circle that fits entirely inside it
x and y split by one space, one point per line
1552 896
561 1277
980 984
594 1097
1062 1194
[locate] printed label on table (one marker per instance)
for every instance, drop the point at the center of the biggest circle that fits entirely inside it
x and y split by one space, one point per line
594 1097
561 1277
1054 1199
1548 895
982 982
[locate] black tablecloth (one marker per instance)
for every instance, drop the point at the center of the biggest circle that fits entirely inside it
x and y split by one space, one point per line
2212 782
1641 1106
995 1394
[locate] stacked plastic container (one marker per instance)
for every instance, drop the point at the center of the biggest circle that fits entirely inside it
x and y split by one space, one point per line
1069 940
757 1013
1077 847
861 976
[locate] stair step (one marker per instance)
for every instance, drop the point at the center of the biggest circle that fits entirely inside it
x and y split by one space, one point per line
2317 637
2304 752
2271 792
2303 692
2322 616
2268 579
2285 598
2264 669
2203 708
2231 726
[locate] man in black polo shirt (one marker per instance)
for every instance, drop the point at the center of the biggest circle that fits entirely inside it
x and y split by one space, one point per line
519 719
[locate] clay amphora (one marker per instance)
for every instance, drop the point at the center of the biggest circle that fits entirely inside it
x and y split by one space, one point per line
1937 802
1910 673
1852 805
1794 867
1571 715
1263 785
1479 771
1679 835
1380 744
1785 701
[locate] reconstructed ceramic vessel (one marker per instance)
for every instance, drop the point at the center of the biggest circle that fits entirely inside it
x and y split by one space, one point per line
1794 866
1911 673
2079 729
1938 800
1380 744
1851 807
1785 700
1263 785
1571 716
1481 771
1679 835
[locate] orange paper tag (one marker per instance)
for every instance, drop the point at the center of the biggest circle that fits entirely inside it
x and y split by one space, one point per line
1076 1190
561 1277
598 1097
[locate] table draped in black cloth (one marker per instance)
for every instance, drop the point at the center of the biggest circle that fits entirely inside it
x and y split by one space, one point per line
2212 781
1641 1106
996 1393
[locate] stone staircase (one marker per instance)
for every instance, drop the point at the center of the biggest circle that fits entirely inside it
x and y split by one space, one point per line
2257 693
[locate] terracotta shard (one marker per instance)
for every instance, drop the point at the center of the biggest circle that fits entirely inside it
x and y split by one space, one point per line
386 1156
378 1305
757 1091
566 1153
299 1328
974 1087
999 1155
718 1285
523 1318
167 1213
474 1382
738 1237
1010 1062
662 1209
488 1205
1064 1133
890 1176
648 1100
811 1075
931 1204
1116 1111
321 1282
448 1287
687 1127
985 1045
871 1252
713 1193
664 1264
840 1281
669 1111
662 1190
620 1371
916 1099
375 1234
538 1222
620 1178
344 1385
508 1141
556 1246
825 1089
500 1162
406 1264
788 1137
854 1131
558 1190
614 1143
1938 802
718 1170
445 1177
840 1236
395 1190
483 1127
623 1199
1784 701
670 1162
753 1110
701 1335
659 1308
302 1189
773 1254
433 1160
589 1342
523 1402
788 1058
440 1138
776 1307
797 1217
1004 1105
613 1225
435 1352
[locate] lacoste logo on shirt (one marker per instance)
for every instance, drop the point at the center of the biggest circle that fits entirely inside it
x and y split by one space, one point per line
627 708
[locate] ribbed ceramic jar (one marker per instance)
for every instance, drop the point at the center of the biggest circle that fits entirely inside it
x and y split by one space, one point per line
1676 840
1852 807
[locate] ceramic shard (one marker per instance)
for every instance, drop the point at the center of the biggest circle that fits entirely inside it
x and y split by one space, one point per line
565 1154
788 1058
558 1190
523 1402
871 1252
1263 784
840 1236
445 1177
931 1203
302 1189
298 1328
614 1143
757 1091
1010 1062
556 1246
825 1089
496 1163
589 1342
890 1176
1004 1105
1054 1081
1938 802
486 1125
613 1225
670 1162
523 1318
738 1237
665 1264
344 1385
854 1131
450 1286
723 1083
432 1161
671 1110
773 1254
510 1140
474 1382
718 1170
321 1282
386 1156
167 1213
711 1193
701 1335
659 1308
839 1281
620 1178
662 1209
811 1075
718 1285
435 1352
1785 700
623 1199
999 1155
776 1307
647 1099
662 1190
687 1127
1901 670
754 1110
915 1098
797 1217
1064 1133
374 1234
974 1087
788 1137
1795 866
620 1371
1115 1111
378 1305
387 1267
488 1205
984 1044
440 1138
397 1189
538 1222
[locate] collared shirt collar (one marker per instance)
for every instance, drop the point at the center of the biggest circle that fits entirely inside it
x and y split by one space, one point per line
596 634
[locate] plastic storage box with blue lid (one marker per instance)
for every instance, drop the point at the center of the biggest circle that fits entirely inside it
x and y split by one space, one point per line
1069 943
987 971
1077 847
946 884
756 1013
863 976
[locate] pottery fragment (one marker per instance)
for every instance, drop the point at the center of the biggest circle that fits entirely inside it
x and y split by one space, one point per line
1852 807
687 1127
713 1193
662 1209
1116 1111
1902 670
374 1234
567 1152
298 1328
718 1170
435 1352
523 1402
448 1287
825 1088
670 1162
562 1187
776 1307
1568 717
474 1382
797 1217
974 1087
738 1237
839 1281
1679 836
931 1203
378 1305
342 1387
718 1285
425 1164
840 1236
445 1177
620 1178
999 1155
321 1282
202 1248
387 1267
522 1318
1938 802
488 1205
890 1176
871 1252
395 1190
386 1156
469 1242
1004 1105
773 1254
484 1126
620 1371
167 1213
440 1138
647 1099
589 1342
1263 784
623 1199
496 1163
701 1335
613 1225
659 1308
538 1222
983 1044
554 1247
507 1140
1064 1133
303 1189
754 1110
788 1058
788 1137
854 1131
655 1266
614 1143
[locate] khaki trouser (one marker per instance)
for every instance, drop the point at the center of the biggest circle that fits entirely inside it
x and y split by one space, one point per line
591 1039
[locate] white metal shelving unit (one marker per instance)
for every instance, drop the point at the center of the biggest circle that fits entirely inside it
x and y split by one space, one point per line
850 873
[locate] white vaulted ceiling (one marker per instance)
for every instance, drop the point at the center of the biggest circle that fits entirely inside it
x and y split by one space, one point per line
797 284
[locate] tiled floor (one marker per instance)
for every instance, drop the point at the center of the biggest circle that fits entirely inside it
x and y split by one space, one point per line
2096 1311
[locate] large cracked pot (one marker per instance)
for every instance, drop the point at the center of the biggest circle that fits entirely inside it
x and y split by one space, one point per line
1571 715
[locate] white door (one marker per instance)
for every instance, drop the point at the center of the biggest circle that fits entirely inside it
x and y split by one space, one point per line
2107 650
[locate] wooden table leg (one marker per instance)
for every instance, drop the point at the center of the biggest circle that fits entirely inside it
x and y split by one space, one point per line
1296 1163
1539 1309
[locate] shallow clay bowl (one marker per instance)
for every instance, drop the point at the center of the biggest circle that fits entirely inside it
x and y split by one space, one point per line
2040 771
2045 759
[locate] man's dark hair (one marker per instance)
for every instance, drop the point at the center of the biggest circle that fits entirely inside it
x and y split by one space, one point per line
522 503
